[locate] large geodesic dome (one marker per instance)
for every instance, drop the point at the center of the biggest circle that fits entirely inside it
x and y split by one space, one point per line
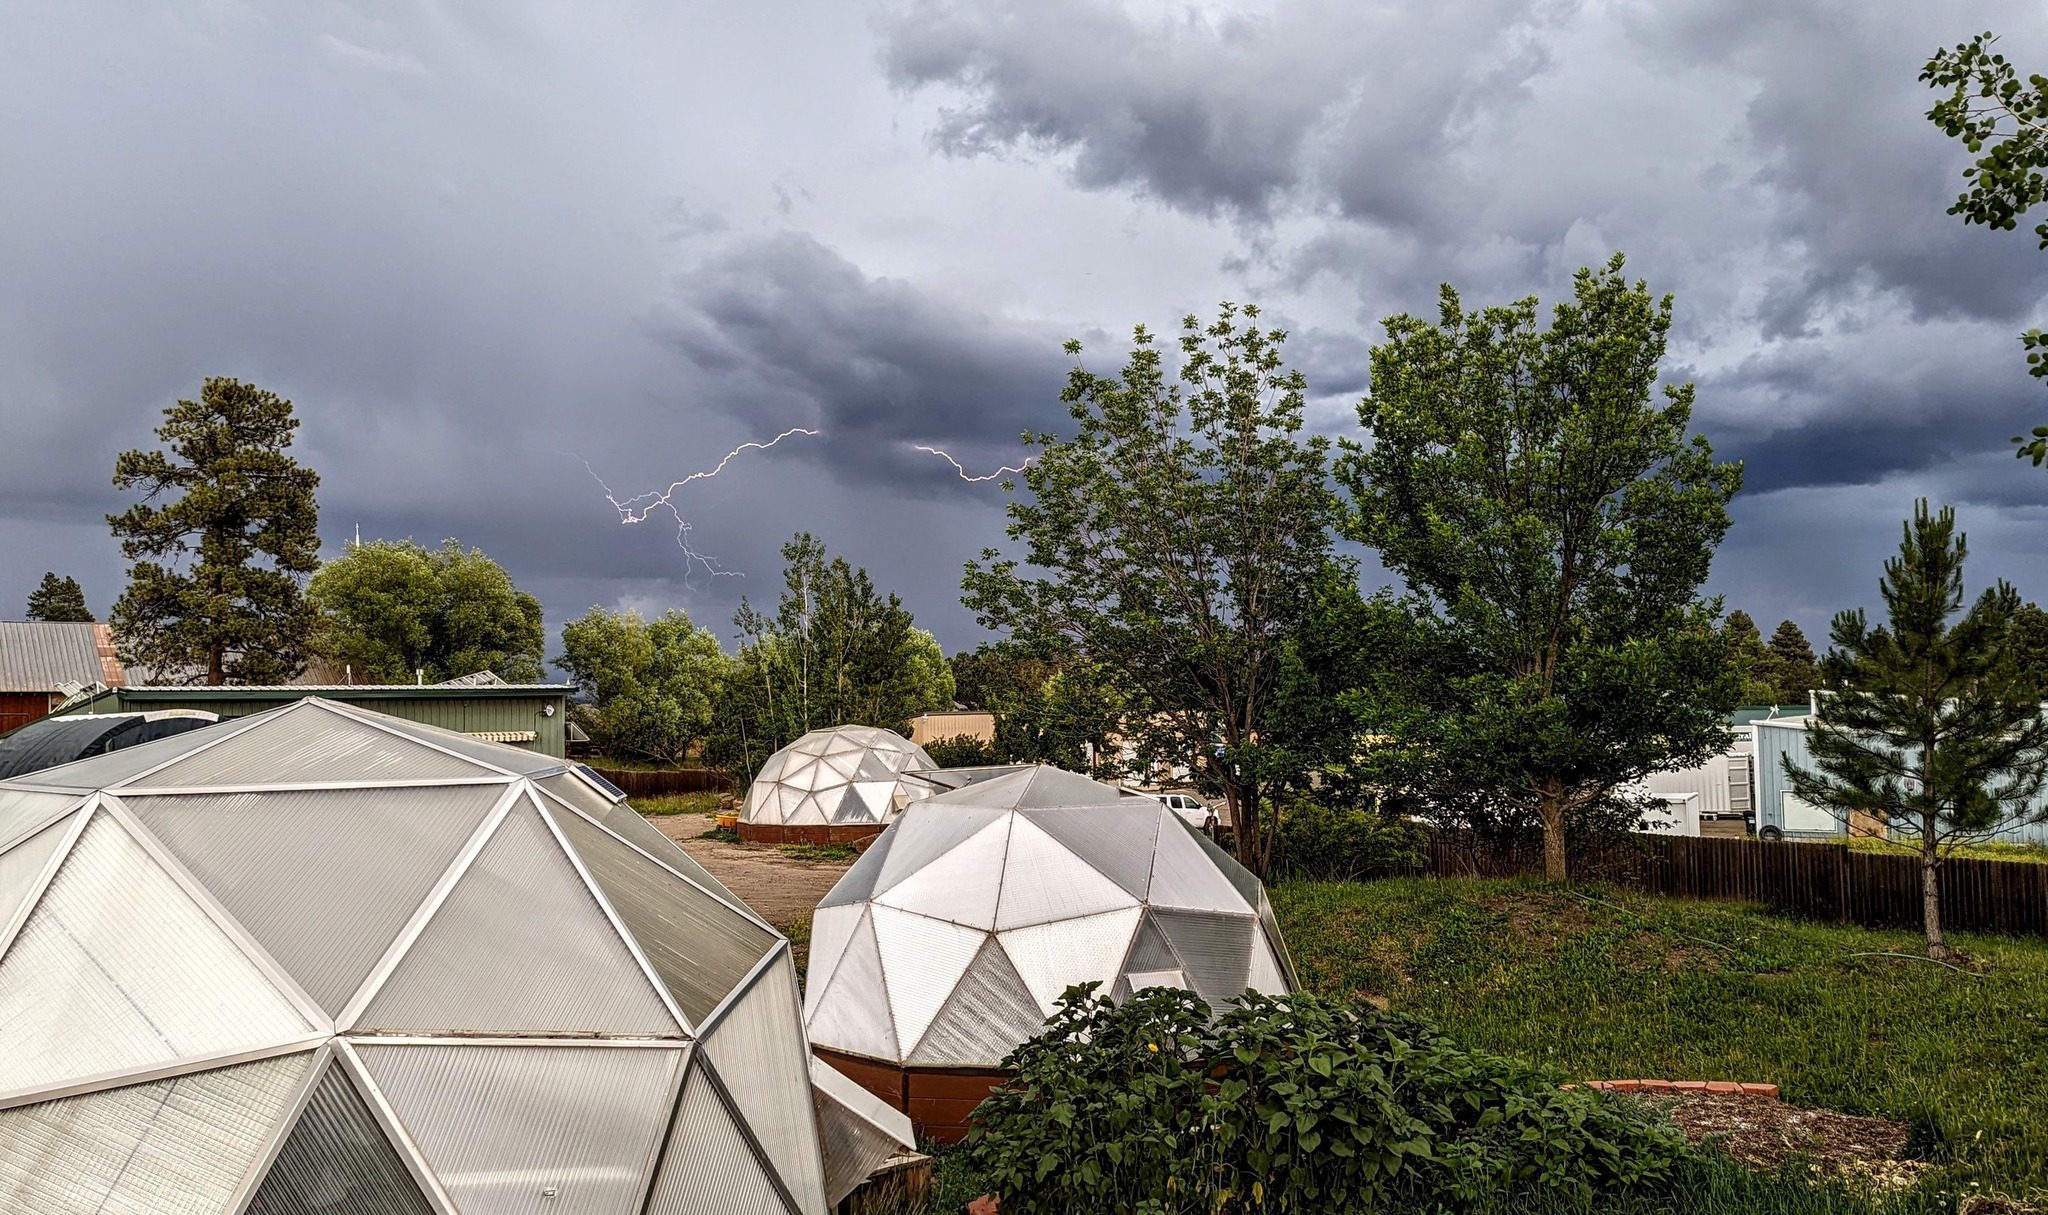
321 961
950 941
844 776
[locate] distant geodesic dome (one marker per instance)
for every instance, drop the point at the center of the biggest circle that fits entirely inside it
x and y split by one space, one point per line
322 960
848 775
950 941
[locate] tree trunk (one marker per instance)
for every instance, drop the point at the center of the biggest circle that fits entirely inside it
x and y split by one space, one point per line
1247 835
1930 889
1551 808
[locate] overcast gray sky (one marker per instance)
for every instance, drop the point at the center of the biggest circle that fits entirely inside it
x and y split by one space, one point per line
479 245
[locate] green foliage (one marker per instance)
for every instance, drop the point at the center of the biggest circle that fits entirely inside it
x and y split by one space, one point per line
836 652
678 803
818 853
1794 669
1337 673
1931 721
653 686
2003 121
1050 707
1174 541
2028 636
1553 521
960 751
1624 985
1344 843
1289 1104
389 609
1749 659
213 590
59 599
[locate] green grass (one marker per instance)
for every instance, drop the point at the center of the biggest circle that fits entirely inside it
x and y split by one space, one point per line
1628 986
818 852
2034 853
678 803
799 933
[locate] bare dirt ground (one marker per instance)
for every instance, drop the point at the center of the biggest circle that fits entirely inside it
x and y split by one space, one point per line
782 889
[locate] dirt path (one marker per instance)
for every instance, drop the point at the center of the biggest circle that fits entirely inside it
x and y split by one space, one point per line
784 891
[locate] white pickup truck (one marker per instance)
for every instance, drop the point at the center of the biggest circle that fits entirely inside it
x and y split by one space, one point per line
1187 805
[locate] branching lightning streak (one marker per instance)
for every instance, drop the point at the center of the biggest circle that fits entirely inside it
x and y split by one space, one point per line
640 507
1005 471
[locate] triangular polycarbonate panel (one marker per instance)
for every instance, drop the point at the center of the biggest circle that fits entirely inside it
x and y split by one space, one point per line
1150 950
307 744
173 1147
1043 881
757 1048
1266 976
22 866
857 1131
1246 882
118 968
853 807
831 930
923 960
852 1014
520 945
1136 981
985 1017
23 811
117 767
858 882
1185 875
700 947
1270 923
961 884
709 1167
630 825
337 1161
922 834
1116 839
1215 950
502 1126
806 776
1053 957
323 879
518 760
1036 787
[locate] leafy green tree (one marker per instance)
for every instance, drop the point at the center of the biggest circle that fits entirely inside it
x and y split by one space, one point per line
1074 720
60 599
653 686
2003 121
392 609
245 511
1751 660
1554 521
1175 541
1795 670
1930 721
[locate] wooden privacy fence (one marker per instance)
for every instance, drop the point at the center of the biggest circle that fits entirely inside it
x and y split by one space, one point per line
662 784
1817 881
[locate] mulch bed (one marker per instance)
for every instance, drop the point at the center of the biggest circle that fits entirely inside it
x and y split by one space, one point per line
1766 1134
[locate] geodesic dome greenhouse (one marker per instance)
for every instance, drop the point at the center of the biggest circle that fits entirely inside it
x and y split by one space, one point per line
848 776
321 960
951 940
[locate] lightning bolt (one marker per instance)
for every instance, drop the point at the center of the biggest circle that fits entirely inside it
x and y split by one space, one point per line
961 469
640 507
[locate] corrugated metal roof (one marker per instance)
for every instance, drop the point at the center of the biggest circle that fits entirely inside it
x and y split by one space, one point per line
292 691
40 655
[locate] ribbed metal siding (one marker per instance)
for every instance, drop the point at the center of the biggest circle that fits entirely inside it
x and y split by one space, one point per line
1776 743
464 714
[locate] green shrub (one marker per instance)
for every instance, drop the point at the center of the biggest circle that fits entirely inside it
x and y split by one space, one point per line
1342 843
1286 1104
960 751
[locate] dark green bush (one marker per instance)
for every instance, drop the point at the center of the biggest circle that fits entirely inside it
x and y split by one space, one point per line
1342 843
960 751
1290 1104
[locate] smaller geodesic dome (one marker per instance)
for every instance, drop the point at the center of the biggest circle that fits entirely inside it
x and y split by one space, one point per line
320 961
952 939
848 776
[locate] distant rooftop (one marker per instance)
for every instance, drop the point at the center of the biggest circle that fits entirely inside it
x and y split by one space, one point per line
45 655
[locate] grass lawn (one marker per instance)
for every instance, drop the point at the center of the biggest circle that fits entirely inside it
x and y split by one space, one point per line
1627 986
2035 853
678 803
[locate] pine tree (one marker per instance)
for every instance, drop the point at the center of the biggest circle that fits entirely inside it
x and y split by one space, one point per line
1929 722
236 614
58 599
1752 662
1793 670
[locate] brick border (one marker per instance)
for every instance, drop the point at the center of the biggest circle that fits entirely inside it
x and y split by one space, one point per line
1718 1087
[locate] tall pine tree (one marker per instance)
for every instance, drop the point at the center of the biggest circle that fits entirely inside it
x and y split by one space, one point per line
244 509
58 599
1930 722
1794 669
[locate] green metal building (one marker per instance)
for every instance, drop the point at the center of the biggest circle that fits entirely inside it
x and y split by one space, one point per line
531 715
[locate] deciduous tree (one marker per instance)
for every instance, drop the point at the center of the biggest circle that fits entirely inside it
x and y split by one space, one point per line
60 599
1554 516
1174 542
392 610
214 592
1930 721
653 686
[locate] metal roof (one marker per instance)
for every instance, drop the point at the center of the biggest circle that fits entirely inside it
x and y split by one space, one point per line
351 691
42 655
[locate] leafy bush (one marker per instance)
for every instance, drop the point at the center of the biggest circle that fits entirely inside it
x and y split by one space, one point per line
1332 843
1286 1104
960 751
